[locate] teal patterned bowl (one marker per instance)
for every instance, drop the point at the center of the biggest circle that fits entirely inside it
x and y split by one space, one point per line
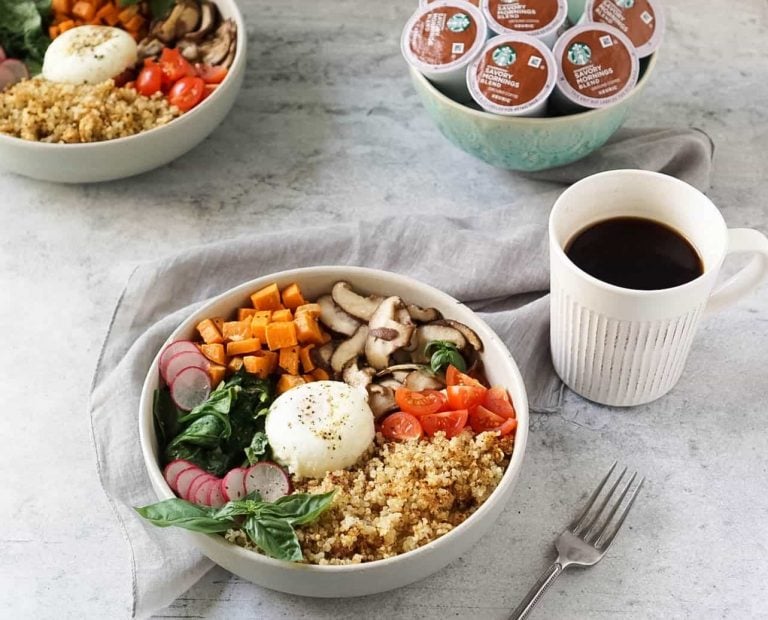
526 144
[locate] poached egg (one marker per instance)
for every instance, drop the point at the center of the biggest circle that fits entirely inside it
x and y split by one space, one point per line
89 55
319 427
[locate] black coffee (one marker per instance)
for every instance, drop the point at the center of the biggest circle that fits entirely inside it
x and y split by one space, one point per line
634 252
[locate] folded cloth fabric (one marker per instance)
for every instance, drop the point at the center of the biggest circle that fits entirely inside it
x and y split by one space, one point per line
496 261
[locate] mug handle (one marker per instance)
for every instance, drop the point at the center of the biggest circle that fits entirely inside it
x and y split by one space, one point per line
742 241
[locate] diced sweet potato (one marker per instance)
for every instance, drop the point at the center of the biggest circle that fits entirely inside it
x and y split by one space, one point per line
216 372
311 309
308 378
241 347
267 298
214 352
289 360
236 330
209 332
235 364
281 335
263 363
307 329
219 321
292 297
282 316
286 382
259 322
320 375
307 365
245 313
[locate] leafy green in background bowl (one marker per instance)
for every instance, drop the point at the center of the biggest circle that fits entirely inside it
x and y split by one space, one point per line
526 144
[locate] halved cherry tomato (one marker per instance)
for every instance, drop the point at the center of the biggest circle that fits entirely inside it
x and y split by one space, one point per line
150 79
186 93
482 420
450 422
465 396
453 376
211 74
174 66
420 403
509 426
400 425
497 400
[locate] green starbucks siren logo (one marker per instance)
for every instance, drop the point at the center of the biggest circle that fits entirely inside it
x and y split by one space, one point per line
625 4
458 22
579 53
503 56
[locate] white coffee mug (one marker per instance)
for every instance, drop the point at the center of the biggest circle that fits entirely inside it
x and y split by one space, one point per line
623 347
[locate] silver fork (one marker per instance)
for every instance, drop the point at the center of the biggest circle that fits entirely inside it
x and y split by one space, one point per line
586 540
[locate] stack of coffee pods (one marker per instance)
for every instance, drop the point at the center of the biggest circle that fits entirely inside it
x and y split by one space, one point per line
533 62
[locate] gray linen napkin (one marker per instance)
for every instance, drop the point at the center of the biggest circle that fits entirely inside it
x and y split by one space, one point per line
496 262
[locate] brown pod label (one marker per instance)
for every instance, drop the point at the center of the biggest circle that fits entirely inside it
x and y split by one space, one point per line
525 15
512 74
596 64
635 18
442 36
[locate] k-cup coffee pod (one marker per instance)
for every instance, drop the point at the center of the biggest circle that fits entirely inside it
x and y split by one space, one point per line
543 19
642 21
441 40
423 3
513 76
597 66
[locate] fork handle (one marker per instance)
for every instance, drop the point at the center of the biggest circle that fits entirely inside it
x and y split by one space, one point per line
537 591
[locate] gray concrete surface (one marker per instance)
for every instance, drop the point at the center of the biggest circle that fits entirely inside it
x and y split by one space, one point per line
328 128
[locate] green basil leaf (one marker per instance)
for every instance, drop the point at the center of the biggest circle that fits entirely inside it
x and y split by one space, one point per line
257 451
443 354
249 505
300 508
180 513
275 537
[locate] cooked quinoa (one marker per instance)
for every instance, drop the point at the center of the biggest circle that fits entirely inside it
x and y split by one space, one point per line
400 496
51 112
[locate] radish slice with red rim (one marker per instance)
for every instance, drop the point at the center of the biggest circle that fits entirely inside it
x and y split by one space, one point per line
203 493
269 480
233 484
186 479
217 497
174 469
7 78
183 360
17 68
179 346
194 494
190 388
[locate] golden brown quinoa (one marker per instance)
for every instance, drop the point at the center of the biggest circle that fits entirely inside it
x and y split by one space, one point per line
71 113
400 496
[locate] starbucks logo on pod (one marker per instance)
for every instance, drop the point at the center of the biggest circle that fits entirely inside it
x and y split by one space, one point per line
458 22
625 4
503 56
579 53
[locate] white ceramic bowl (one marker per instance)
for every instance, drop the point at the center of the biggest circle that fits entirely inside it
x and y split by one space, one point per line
381 575
125 157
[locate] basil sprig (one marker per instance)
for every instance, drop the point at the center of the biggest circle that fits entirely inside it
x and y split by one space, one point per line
442 353
269 525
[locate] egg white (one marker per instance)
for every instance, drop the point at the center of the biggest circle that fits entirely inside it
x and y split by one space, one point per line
89 55
319 427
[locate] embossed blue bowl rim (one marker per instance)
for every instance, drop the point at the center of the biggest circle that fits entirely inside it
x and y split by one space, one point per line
528 120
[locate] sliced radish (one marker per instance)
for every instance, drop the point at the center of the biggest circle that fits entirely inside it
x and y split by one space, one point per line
174 469
179 346
216 497
186 479
194 489
18 68
180 361
269 480
202 493
233 484
2 54
7 78
190 388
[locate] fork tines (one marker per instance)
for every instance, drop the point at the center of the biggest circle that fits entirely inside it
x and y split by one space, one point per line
591 526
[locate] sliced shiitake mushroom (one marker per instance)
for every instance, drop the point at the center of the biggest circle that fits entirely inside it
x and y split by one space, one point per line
350 348
419 380
391 383
354 304
215 48
334 318
381 399
392 370
355 376
423 315
378 350
183 19
321 356
209 18
468 333
150 47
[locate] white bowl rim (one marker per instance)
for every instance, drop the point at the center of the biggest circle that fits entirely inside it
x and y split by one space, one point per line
508 478
534 120
184 118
